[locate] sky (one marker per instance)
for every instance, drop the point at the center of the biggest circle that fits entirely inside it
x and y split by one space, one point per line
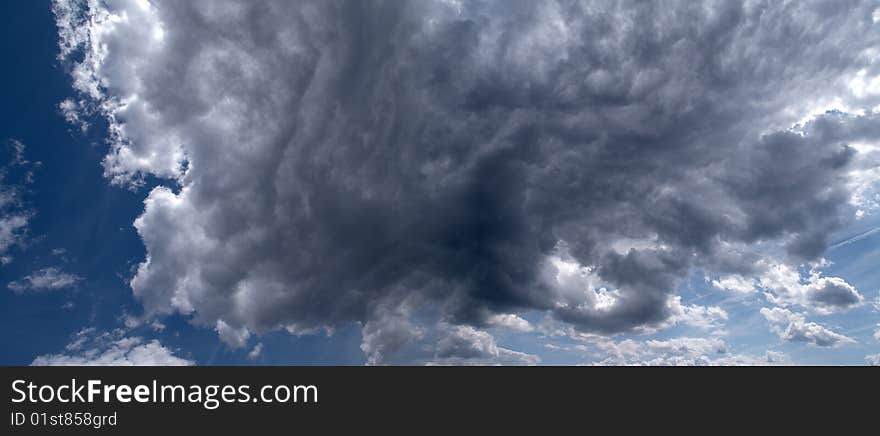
440 182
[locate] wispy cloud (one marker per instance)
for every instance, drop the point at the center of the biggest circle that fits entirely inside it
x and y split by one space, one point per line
47 279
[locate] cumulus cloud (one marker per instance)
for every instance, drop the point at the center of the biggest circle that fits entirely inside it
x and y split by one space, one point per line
784 286
510 321
233 337
873 359
465 345
705 317
329 161
46 279
91 348
684 351
389 331
742 285
793 327
770 358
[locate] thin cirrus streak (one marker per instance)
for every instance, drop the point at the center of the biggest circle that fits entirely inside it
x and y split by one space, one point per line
859 237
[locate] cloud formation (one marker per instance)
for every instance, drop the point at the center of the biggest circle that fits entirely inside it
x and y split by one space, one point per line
15 175
793 327
427 169
46 279
234 338
465 345
825 295
256 352
91 348
683 351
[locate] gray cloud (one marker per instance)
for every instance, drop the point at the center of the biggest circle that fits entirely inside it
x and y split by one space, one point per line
336 160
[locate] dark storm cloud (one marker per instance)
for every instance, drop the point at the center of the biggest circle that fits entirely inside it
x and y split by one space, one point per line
396 163
793 182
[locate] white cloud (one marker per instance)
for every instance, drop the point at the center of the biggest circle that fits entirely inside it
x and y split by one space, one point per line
256 352
14 215
157 326
873 359
511 322
864 183
705 317
46 279
578 287
793 327
465 345
112 349
12 225
132 322
785 286
233 337
767 359
390 331
91 27
735 283
581 291
72 112
683 351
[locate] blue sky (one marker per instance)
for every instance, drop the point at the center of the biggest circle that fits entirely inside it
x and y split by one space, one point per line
81 219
